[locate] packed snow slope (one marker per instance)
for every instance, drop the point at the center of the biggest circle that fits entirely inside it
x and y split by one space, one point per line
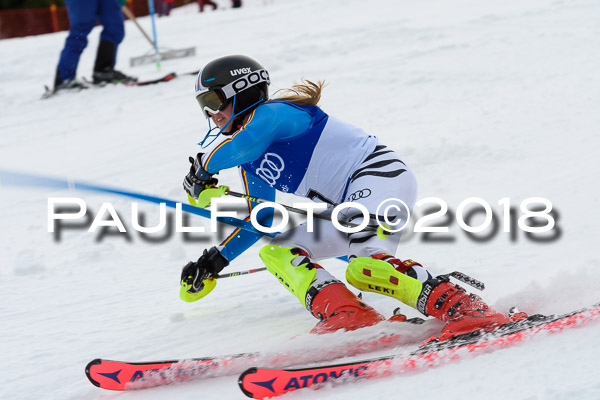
483 99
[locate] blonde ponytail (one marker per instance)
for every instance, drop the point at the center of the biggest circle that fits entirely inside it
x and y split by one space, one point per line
306 93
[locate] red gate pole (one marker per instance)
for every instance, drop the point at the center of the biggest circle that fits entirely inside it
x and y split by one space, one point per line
54 17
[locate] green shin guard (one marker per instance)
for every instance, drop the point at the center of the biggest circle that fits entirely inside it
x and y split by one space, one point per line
295 279
378 276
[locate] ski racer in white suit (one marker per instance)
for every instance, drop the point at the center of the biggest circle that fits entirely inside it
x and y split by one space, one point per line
290 145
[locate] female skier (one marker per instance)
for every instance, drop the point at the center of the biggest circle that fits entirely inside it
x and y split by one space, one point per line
289 144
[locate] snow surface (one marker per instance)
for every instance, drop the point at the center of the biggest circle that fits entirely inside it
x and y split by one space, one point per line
486 99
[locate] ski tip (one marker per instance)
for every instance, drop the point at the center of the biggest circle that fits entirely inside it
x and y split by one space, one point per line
249 371
47 93
88 367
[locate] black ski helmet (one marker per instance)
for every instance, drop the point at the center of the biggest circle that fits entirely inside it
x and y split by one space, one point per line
227 77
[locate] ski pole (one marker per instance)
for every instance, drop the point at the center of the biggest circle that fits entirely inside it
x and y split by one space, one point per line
151 9
477 284
132 17
232 274
252 271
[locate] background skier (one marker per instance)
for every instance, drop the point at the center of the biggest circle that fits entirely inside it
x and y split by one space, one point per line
82 18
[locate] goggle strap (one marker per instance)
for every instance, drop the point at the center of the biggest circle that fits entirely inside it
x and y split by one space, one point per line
224 126
220 130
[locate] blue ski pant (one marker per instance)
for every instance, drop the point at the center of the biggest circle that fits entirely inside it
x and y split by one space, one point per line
83 15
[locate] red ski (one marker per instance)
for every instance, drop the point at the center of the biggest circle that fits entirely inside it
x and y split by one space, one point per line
260 383
166 78
119 375
48 93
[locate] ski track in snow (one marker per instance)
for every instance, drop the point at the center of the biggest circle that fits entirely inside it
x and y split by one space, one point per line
487 100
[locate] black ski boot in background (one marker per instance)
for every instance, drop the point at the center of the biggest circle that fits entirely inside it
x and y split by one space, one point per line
104 71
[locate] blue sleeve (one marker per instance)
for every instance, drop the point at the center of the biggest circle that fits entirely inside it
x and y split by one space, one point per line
268 123
240 240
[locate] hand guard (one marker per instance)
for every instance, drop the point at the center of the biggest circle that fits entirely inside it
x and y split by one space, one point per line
208 266
205 198
197 179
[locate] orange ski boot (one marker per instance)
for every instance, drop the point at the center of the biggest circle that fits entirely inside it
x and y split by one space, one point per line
323 295
463 313
339 308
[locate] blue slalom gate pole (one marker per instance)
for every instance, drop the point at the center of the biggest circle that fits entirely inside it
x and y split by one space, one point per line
151 9
21 179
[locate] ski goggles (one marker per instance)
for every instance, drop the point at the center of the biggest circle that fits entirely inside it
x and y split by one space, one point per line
215 100
212 101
